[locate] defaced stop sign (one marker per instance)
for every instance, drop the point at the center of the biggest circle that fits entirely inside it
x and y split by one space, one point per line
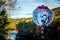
42 15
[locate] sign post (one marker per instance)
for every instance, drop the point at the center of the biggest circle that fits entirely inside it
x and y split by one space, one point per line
42 16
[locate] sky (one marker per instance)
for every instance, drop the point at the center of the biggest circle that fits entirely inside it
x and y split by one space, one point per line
25 8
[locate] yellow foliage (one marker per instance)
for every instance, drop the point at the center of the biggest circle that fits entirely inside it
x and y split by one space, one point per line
56 18
12 26
28 20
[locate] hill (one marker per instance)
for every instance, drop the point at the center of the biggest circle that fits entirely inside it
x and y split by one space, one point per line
13 22
56 11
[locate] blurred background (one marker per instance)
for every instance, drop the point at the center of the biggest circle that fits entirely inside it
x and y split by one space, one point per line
16 20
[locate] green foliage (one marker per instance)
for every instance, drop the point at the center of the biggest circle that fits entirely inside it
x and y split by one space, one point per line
3 12
26 26
3 22
55 22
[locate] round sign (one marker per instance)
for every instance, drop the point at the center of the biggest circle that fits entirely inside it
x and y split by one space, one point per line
42 16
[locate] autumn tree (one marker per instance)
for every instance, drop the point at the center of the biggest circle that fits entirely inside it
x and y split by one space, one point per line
3 20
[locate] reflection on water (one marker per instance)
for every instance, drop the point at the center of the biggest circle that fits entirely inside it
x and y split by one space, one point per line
12 35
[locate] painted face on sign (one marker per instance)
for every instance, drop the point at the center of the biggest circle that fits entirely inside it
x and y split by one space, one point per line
42 17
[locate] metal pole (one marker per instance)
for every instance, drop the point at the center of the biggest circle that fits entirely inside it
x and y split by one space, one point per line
42 30
42 33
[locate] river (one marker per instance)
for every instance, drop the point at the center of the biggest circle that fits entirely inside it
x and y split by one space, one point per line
12 35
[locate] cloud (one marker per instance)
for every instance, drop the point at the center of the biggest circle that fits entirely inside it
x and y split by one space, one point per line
21 16
50 3
53 3
25 8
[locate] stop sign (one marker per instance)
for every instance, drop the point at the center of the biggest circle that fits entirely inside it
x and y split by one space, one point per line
42 15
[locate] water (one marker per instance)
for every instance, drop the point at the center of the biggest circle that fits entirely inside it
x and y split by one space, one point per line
12 35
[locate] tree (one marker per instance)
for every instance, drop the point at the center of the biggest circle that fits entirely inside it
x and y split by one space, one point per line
26 26
52 29
3 22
